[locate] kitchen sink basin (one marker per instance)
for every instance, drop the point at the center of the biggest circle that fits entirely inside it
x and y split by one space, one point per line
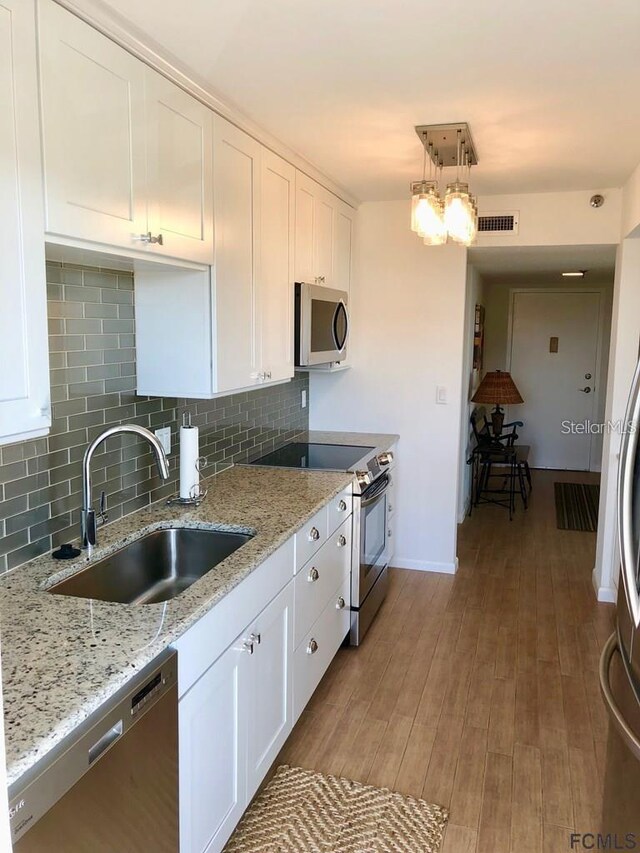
154 568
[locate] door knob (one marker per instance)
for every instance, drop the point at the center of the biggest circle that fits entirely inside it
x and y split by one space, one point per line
585 390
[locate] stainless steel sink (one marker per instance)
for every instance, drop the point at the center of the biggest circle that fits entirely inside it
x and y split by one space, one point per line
155 567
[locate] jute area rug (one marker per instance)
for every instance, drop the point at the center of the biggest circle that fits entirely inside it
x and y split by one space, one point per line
301 811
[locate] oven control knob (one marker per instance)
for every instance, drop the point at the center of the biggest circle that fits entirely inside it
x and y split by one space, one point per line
363 478
385 458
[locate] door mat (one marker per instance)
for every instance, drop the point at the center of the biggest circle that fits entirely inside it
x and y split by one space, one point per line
300 810
577 506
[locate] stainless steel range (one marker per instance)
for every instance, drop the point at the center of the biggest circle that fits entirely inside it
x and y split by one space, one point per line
372 481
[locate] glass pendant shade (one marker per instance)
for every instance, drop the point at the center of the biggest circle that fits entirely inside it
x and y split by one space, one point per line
460 214
426 214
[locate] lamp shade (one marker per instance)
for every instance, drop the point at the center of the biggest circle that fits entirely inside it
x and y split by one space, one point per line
499 388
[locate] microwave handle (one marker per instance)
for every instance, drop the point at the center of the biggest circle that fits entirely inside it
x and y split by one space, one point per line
628 452
340 307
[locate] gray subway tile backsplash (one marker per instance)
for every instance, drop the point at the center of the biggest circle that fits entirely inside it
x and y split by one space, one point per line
92 349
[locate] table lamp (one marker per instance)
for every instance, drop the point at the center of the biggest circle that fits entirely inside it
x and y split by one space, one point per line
499 388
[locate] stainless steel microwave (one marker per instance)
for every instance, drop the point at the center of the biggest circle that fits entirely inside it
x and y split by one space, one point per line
322 325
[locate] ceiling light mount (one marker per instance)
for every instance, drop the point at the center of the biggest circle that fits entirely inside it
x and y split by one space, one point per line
444 142
596 200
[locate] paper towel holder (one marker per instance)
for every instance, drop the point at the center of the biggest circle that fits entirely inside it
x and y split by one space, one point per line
203 490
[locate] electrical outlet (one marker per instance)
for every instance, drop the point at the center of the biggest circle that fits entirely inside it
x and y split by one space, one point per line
303 401
164 437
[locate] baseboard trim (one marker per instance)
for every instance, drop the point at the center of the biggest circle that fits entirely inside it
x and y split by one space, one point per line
604 594
426 566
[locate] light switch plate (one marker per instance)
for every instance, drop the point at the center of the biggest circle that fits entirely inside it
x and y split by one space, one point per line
441 395
303 400
164 437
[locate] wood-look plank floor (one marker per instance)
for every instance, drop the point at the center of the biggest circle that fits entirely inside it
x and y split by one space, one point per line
479 691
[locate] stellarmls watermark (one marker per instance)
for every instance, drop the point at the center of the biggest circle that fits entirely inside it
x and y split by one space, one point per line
597 427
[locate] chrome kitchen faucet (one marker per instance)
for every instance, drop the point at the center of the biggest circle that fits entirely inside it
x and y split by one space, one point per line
88 517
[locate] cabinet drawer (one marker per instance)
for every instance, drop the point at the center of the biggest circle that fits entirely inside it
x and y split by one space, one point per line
339 508
311 537
316 582
319 646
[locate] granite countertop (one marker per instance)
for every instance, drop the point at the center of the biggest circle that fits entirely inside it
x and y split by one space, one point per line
62 657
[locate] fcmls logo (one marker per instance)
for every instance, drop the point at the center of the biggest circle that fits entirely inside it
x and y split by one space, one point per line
599 841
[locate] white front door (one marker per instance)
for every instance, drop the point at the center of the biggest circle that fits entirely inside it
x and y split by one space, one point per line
554 349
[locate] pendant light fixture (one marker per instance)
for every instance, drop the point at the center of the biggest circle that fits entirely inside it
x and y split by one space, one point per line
426 207
454 218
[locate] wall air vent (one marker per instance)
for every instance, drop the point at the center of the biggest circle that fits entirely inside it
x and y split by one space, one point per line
505 222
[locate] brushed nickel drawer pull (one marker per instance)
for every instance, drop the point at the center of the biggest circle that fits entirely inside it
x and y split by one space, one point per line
313 575
312 648
247 646
340 603
255 638
314 534
342 506
342 541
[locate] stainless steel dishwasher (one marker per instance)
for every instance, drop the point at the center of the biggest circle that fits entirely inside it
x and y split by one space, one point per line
112 785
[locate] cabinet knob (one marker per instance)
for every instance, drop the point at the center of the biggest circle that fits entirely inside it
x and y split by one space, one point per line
342 541
389 533
390 508
255 638
340 603
313 575
314 534
342 506
320 279
143 238
312 648
247 646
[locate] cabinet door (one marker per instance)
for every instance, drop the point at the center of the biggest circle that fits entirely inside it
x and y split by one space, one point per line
343 247
212 730
93 132
24 379
180 163
324 237
305 229
269 706
275 277
236 167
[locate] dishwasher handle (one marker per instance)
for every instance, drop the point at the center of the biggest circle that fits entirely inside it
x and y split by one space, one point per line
107 739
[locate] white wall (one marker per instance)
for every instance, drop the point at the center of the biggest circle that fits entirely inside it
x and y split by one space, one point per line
470 381
556 219
408 320
625 337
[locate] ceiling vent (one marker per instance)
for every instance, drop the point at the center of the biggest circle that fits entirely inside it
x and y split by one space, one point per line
504 222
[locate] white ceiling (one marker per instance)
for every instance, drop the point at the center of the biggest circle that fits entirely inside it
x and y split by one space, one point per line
551 90
544 264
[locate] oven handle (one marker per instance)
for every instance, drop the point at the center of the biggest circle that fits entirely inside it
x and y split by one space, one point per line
376 497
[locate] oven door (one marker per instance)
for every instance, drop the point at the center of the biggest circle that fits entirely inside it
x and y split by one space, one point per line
322 324
373 535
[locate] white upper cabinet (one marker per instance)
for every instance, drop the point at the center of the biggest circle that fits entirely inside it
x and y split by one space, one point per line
179 170
127 154
25 408
93 132
275 269
236 168
323 236
232 328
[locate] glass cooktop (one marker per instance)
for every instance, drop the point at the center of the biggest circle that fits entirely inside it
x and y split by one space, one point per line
331 457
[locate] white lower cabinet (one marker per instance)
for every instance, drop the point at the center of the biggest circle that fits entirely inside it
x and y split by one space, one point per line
212 731
269 686
236 712
319 646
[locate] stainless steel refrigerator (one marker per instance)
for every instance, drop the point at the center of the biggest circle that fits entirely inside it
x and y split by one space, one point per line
620 662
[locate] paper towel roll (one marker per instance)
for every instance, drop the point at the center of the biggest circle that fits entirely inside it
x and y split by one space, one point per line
189 453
